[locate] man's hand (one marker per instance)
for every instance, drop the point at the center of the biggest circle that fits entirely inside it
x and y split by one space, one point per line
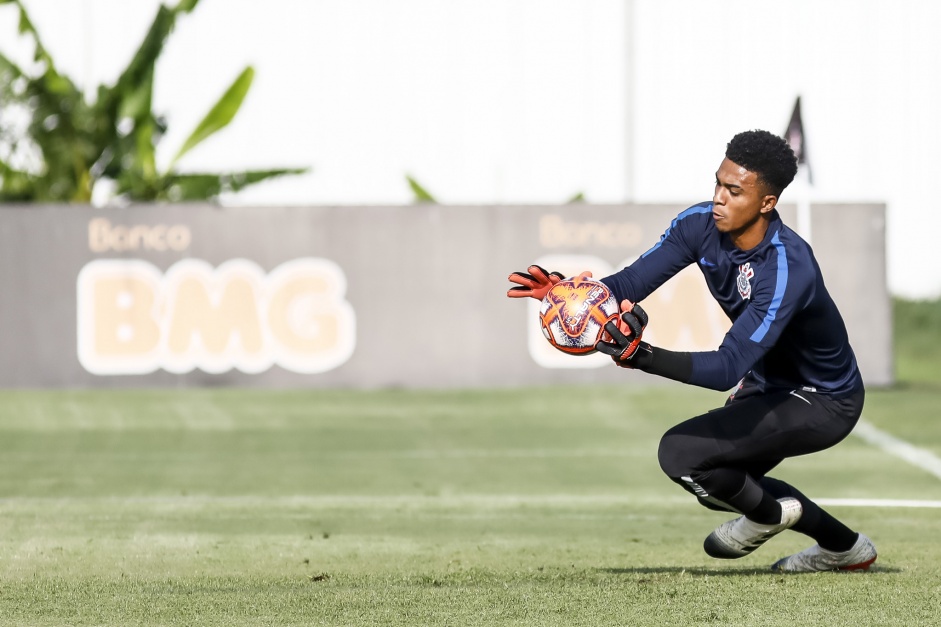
534 283
626 336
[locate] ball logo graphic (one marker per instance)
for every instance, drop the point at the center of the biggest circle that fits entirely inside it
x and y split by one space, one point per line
573 314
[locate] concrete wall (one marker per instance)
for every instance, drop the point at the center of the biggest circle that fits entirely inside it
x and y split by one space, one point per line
413 296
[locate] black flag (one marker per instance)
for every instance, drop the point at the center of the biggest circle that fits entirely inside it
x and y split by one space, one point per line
796 139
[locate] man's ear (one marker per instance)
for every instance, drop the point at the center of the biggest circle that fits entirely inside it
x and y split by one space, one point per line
768 203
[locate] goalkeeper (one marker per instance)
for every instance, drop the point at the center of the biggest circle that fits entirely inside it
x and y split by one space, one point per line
797 388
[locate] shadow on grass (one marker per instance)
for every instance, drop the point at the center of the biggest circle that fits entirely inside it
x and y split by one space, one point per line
730 572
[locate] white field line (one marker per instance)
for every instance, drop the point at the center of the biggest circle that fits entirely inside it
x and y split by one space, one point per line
877 503
918 457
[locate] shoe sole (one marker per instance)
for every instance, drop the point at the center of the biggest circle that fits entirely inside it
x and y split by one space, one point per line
860 566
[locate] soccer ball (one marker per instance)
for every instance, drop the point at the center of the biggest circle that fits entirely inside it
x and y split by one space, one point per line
573 314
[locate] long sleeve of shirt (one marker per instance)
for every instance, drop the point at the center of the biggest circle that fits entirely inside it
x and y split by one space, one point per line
786 331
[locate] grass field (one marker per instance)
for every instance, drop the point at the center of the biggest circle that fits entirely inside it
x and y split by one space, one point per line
511 507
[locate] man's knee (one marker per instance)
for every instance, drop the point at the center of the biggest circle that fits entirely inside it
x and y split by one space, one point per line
675 455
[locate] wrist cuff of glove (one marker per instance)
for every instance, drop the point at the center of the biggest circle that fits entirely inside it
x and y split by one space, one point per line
670 364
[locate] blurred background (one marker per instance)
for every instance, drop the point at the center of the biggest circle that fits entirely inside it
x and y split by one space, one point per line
533 102
341 138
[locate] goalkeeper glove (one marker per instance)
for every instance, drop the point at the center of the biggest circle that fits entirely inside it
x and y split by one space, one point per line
626 347
534 283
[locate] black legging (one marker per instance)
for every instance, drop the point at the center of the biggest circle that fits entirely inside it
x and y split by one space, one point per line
722 456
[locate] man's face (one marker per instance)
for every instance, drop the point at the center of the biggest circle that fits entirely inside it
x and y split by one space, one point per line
739 199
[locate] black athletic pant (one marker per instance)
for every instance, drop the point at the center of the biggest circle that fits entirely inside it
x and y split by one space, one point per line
723 456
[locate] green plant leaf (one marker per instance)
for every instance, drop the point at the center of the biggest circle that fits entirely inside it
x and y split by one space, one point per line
198 186
141 66
26 27
221 113
130 99
135 104
421 194
6 65
15 186
142 63
185 6
577 198
131 92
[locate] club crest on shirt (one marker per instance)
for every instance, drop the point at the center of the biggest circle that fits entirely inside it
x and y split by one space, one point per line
745 273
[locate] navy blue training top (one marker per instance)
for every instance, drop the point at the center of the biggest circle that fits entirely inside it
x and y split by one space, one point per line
786 330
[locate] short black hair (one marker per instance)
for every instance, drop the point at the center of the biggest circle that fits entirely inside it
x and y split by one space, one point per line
765 154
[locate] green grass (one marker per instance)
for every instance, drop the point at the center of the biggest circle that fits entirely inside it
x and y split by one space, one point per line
917 342
514 507
511 507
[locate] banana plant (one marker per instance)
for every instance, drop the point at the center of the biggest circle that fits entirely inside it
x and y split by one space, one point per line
70 144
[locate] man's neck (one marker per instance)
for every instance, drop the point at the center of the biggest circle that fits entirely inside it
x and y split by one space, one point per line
751 236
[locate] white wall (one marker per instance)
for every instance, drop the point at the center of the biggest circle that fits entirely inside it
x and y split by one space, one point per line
527 101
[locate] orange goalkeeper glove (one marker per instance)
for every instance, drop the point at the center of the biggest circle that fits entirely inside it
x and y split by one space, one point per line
534 283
